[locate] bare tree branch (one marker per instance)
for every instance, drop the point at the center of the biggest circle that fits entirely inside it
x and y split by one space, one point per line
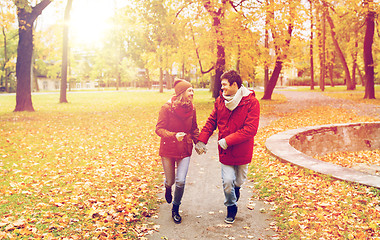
197 52
237 5
37 10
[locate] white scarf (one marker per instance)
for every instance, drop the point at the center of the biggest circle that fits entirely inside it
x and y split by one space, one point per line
233 101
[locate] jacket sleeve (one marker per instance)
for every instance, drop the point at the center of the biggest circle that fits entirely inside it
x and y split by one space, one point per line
194 128
250 126
162 123
210 126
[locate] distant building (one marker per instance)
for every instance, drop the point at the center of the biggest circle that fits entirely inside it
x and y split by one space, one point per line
48 84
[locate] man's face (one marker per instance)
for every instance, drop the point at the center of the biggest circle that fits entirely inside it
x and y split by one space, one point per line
229 90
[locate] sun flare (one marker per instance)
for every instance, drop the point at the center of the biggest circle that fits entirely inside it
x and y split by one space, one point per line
90 21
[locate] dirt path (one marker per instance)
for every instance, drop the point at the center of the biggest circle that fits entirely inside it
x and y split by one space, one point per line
303 100
202 207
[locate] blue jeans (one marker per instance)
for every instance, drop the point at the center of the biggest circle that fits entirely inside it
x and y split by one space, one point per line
171 177
232 176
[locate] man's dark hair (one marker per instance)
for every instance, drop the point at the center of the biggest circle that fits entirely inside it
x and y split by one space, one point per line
232 76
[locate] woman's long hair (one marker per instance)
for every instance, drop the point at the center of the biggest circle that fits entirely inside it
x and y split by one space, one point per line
181 101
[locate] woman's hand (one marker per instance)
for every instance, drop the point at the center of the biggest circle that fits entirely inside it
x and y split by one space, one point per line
180 136
200 147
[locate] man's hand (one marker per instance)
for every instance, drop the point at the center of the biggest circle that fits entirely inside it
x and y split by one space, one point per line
223 144
200 148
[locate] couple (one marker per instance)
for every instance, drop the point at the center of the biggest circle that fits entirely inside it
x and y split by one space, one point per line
235 114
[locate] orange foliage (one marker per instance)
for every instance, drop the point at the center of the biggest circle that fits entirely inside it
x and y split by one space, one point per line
309 205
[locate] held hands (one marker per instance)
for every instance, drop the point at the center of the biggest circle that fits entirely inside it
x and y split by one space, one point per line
200 148
180 136
223 144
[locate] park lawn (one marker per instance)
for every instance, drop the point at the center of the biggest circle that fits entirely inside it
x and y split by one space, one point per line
89 168
307 205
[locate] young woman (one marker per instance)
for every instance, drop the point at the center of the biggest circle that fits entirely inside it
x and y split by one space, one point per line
178 129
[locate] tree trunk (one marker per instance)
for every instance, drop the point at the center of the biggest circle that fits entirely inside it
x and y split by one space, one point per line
148 77
220 64
354 63
198 56
220 58
238 56
330 65
183 70
161 80
322 74
118 79
6 77
368 58
311 47
350 86
268 91
65 50
360 75
219 69
266 64
24 55
24 61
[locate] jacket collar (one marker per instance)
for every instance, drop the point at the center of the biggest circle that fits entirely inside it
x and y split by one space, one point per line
244 99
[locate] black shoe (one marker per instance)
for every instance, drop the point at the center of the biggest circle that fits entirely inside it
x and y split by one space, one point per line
237 193
231 214
168 194
175 215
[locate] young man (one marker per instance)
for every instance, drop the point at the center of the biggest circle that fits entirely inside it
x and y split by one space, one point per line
236 115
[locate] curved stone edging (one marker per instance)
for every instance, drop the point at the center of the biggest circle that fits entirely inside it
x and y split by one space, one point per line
280 147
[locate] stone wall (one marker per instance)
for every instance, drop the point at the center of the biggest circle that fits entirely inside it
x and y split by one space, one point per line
337 137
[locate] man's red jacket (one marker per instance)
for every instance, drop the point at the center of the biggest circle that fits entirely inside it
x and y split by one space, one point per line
237 127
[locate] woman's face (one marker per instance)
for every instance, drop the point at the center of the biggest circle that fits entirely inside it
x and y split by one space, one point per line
189 94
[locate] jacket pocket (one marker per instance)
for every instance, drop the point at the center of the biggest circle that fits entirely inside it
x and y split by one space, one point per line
242 150
168 148
188 144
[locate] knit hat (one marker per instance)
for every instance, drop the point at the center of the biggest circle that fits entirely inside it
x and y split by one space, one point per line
181 86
